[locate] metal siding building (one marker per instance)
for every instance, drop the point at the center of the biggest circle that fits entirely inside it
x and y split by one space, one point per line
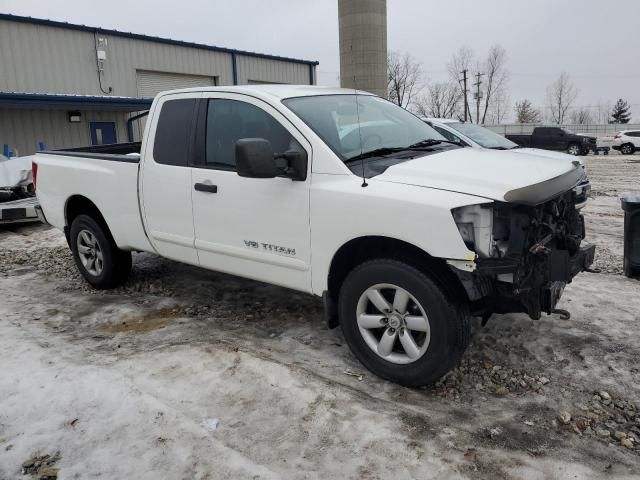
46 57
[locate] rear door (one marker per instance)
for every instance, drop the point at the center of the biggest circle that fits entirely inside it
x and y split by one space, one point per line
252 227
165 178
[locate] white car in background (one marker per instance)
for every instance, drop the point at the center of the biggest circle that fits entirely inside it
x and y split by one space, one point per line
470 134
626 141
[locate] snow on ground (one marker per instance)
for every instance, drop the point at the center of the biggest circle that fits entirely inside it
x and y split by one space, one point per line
130 383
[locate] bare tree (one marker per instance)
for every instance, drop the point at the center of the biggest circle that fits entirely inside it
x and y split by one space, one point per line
405 78
496 78
581 116
442 100
499 108
603 108
525 113
461 60
560 96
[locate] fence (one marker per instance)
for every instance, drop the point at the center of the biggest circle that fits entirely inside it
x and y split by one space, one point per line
595 129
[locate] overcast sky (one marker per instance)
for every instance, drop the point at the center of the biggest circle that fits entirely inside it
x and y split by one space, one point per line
595 42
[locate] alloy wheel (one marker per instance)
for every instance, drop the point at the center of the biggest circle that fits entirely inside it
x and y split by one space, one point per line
393 323
90 252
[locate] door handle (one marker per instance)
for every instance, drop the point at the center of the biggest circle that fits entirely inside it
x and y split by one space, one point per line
206 187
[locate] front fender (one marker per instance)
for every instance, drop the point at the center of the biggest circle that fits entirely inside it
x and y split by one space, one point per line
342 210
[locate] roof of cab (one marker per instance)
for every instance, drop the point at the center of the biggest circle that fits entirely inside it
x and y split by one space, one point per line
441 120
277 92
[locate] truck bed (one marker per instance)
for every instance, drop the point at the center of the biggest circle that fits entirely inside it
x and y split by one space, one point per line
107 180
117 152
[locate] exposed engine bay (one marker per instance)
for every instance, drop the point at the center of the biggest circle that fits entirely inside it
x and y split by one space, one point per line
526 254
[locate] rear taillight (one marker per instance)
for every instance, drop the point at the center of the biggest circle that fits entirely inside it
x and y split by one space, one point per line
34 173
617 135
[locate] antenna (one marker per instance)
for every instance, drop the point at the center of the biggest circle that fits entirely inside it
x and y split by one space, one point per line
364 178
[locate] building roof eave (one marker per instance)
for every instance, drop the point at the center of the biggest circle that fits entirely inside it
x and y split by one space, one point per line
56 101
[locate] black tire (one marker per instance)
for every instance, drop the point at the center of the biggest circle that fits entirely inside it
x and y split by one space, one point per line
448 322
627 149
116 263
574 149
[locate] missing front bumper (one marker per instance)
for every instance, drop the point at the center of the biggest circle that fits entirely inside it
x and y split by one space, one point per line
534 294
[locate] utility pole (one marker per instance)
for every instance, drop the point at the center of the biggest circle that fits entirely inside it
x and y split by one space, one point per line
478 95
465 92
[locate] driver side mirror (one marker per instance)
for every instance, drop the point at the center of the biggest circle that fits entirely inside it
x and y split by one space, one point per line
255 159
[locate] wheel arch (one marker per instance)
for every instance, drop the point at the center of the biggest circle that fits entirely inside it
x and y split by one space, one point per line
364 248
81 205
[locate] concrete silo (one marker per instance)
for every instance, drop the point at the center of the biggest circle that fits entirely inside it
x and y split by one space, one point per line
363 45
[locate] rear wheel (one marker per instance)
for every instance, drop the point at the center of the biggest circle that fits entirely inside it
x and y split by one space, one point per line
627 149
400 324
97 257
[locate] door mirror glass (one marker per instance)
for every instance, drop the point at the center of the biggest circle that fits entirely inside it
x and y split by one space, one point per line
255 159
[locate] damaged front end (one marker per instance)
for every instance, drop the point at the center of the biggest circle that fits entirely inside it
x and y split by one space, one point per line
526 250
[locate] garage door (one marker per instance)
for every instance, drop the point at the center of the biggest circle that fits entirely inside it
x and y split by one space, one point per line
151 83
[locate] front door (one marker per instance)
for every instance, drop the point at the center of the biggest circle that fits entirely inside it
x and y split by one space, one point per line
252 227
103 133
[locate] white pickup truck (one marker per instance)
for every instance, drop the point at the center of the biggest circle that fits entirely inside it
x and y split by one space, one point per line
333 192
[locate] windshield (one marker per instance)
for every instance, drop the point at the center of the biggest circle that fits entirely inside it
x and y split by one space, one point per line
483 136
353 125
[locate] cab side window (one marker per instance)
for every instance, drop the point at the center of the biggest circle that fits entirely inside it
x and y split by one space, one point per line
231 120
173 132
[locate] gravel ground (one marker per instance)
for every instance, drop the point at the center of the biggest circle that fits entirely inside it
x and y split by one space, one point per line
185 373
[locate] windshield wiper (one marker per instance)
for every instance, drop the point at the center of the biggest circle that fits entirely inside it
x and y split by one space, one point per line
418 146
429 142
377 152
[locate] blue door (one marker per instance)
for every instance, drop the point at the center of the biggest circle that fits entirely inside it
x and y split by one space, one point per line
103 133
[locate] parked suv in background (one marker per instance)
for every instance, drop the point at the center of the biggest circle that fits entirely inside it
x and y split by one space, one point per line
626 142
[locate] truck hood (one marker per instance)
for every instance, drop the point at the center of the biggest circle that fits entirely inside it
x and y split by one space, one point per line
547 154
500 175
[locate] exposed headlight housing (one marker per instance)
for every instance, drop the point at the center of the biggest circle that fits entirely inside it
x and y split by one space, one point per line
475 224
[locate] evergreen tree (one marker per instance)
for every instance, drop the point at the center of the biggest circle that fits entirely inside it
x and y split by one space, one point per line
620 112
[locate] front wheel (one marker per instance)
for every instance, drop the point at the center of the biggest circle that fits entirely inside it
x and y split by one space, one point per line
574 149
400 324
97 257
